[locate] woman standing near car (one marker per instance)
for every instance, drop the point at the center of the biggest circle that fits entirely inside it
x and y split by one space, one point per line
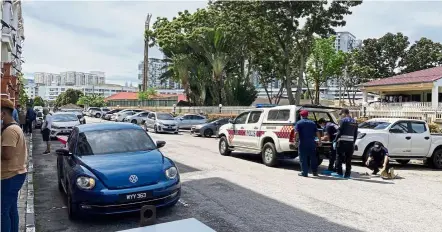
46 129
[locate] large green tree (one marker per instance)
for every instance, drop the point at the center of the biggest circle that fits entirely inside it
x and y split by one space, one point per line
324 63
423 54
71 96
38 101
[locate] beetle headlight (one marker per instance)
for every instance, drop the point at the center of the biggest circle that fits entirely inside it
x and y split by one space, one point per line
361 135
172 172
85 182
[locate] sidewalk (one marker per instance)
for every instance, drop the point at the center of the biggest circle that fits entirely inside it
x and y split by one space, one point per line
26 195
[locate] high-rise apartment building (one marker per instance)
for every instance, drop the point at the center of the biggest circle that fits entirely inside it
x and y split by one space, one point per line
156 68
70 78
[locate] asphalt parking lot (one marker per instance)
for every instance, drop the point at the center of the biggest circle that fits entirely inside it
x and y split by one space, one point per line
238 193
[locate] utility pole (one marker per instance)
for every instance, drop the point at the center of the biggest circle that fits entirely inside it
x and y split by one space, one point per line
146 54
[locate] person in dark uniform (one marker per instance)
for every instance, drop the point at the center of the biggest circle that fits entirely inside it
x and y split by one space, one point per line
330 130
378 158
307 131
345 141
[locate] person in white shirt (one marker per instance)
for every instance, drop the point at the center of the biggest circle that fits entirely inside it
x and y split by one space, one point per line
46 131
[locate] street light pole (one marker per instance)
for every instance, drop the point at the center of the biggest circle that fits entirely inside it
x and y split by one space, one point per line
146 54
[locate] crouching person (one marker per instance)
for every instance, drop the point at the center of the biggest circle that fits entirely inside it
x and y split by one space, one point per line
378 161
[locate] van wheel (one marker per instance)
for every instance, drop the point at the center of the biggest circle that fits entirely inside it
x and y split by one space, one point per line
269 154
224 146
403 162
98 115
436 159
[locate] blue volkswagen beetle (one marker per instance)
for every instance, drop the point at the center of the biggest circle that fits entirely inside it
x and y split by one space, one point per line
109 168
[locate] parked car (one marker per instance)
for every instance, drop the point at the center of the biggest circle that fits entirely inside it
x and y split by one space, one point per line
91 110
405 139
111 168
188 120
137 118
270 132
161 122
76 112
108 115
63 123
210 128
123 114
97 112
39 120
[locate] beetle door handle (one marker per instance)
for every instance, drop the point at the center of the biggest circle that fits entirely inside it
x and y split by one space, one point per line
427 138
408 137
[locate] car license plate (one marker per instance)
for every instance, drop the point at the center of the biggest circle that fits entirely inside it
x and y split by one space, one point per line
136 196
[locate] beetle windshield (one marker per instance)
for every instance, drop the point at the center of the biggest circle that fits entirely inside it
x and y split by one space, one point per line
113 141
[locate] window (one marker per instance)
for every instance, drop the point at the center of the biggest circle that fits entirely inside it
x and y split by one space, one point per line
196 117
165 117
375 125
187 117
241 119
110 142
278 115
143 114
399 128
254 117
64 117
151 116
418 127
72 141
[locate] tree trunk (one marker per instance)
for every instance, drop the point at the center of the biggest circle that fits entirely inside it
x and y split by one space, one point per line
300 79
279 95
317 92
268 95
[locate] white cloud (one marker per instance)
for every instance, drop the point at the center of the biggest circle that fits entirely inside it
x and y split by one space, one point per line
108 35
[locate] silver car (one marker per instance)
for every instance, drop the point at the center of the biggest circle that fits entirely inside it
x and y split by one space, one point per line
209 129
123 114
188 120
161 122
137 118
63 123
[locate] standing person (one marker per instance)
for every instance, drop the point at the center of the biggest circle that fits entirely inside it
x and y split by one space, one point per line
22 119
30 118
46 130
307 131
13 167
330 130
15 113
344 142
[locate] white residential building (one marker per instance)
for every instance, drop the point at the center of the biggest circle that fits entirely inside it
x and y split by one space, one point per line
31 89
50 93
156 69
70 78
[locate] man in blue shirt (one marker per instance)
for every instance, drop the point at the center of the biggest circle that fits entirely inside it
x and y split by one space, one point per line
307 132
15 113
330 130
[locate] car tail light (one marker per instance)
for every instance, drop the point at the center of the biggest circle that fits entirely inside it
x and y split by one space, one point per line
292 136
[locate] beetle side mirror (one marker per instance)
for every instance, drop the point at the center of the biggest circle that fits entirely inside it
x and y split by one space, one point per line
63 152
161 144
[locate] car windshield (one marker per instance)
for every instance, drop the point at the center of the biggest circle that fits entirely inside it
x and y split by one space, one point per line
165 117
64 117
109 142
39 114
376 125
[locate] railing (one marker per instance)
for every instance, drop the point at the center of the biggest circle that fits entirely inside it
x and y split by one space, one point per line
404 106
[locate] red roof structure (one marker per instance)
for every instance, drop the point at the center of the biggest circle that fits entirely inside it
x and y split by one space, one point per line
123 96
421 76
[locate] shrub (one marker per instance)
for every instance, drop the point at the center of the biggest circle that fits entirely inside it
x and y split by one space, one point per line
218 116
434 128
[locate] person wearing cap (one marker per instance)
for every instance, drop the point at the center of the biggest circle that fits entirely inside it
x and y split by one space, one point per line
14 155
330 130
378 159
345 141
307 132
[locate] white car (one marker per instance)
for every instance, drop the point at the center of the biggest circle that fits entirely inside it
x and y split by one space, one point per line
63 123
137 118
120 116
270 132
405 139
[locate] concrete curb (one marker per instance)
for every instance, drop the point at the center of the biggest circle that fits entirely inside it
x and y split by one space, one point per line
30 213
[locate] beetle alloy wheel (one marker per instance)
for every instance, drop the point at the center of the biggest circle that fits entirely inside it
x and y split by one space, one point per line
268 155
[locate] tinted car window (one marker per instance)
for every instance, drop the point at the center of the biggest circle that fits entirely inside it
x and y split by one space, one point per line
196 117
165 117
418 127
278 115
241 119
113 141
376 125
187 117
254 117
399 128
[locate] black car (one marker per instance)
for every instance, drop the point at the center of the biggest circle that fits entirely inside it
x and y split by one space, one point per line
209 129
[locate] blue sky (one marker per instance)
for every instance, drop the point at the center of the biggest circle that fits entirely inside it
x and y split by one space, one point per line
108 35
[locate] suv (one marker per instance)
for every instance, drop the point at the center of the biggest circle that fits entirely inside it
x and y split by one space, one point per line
270 132
96 111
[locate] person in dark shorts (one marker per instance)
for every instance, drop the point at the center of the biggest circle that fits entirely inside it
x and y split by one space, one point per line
46 131
378 158
330 130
